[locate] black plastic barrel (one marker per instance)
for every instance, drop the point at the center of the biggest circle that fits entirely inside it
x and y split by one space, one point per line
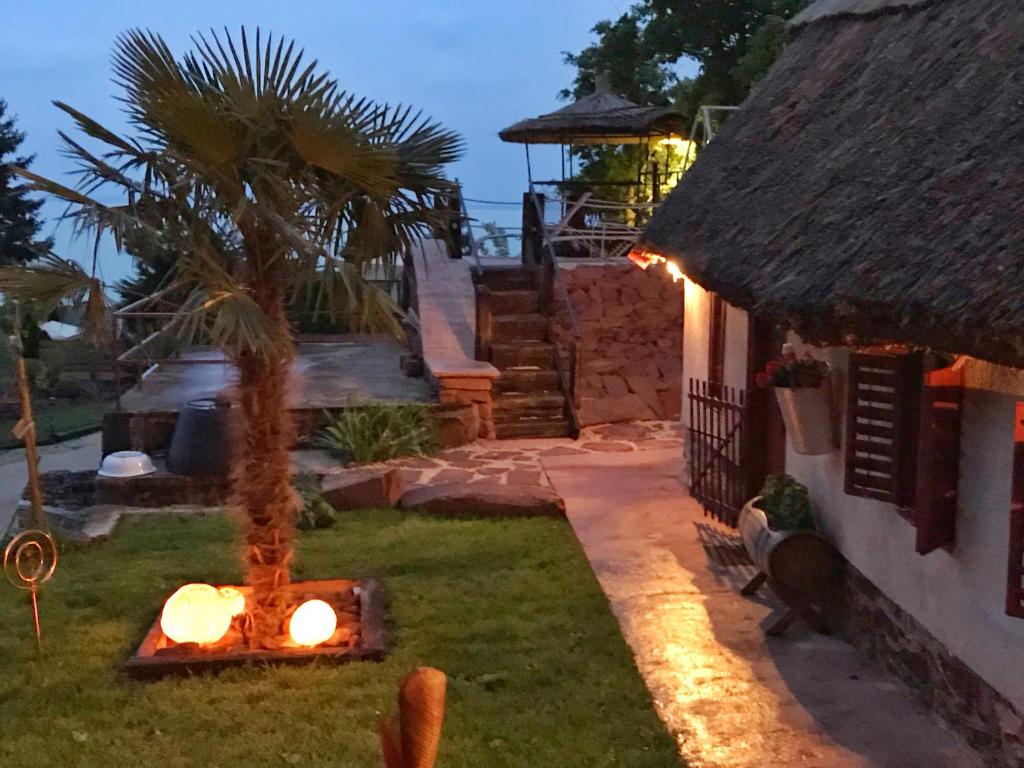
201 444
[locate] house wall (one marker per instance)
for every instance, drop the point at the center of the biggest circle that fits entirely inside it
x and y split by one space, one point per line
957 597
631 323
938 621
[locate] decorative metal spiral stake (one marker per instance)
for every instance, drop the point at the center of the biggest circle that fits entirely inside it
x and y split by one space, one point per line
30 559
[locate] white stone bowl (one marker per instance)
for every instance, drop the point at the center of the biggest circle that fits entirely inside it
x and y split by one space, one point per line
126 464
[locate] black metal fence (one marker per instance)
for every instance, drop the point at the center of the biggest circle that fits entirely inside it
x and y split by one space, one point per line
717 452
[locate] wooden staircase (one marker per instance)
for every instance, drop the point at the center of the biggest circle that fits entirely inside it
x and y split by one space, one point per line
513 335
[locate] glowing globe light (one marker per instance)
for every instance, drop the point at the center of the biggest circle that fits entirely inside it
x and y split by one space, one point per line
196 613
234 598
312 623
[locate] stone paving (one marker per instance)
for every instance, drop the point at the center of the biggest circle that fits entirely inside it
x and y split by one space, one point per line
510 463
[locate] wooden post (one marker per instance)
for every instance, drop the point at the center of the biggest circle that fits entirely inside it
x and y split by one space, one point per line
455 223
484 323
25 430
533 229
655 183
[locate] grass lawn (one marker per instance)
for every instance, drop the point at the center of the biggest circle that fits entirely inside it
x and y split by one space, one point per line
539 676
56 420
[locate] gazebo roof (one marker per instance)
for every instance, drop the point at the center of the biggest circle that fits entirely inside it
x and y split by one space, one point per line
600 118
869 189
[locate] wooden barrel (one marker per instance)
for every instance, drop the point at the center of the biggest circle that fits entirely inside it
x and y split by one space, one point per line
800 562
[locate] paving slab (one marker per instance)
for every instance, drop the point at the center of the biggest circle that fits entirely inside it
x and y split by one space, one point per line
732 697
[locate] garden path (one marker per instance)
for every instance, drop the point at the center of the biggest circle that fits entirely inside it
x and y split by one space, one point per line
81 453
731 697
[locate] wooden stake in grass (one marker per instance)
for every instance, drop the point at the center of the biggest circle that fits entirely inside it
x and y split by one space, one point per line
25 429
413 741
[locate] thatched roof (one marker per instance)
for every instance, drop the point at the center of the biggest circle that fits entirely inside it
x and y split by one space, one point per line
872 186
600 118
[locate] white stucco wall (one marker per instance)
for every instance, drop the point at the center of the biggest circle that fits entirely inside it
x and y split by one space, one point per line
958 596
696 309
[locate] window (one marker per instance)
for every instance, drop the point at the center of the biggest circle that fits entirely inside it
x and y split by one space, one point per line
903 439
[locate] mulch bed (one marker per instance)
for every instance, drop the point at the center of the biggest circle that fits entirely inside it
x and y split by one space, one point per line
361 635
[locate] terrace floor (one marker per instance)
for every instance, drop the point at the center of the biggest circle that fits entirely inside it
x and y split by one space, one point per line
326 374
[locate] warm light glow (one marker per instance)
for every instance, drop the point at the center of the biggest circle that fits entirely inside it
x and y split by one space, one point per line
234 598
312 623
196 613
672 141
645 259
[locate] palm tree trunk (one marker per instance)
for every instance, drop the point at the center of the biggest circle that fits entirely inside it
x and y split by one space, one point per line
261 479
262 488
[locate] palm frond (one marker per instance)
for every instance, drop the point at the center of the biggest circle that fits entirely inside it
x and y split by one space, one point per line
51 280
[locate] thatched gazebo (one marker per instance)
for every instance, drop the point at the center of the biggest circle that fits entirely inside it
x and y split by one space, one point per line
598 118
870 187
601 117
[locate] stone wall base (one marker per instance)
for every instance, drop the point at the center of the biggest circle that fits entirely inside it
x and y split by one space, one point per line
972 708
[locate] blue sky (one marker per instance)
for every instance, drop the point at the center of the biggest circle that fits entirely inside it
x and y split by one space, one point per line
474 65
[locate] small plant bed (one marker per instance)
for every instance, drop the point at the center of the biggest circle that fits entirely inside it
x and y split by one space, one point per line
359 634
369 432
538 671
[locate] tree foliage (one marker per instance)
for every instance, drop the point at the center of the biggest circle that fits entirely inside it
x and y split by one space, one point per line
621 54
734 42
717 36
19 214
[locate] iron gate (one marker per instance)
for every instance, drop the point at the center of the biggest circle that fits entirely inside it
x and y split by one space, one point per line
717 449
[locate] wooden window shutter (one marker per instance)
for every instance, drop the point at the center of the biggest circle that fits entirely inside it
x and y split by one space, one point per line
938 459
1015 572
882 410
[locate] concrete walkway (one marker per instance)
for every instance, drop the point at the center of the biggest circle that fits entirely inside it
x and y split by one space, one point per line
83 453
732 698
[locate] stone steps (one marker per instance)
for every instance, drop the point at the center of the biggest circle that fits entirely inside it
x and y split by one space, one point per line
531 327
527 399
515 302
528 379
509 278
539 403
540 354
532 428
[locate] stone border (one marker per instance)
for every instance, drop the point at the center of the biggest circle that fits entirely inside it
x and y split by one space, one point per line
144 664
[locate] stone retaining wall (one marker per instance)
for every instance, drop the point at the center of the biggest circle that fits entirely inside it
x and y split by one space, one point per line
631 322
896 640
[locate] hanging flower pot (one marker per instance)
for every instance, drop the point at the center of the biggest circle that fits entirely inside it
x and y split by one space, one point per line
803 389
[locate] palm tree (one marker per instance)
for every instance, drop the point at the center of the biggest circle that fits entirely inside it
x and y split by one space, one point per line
268 182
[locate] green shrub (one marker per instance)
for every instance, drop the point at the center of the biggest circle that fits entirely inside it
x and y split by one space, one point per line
786 504
379 431
316 513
